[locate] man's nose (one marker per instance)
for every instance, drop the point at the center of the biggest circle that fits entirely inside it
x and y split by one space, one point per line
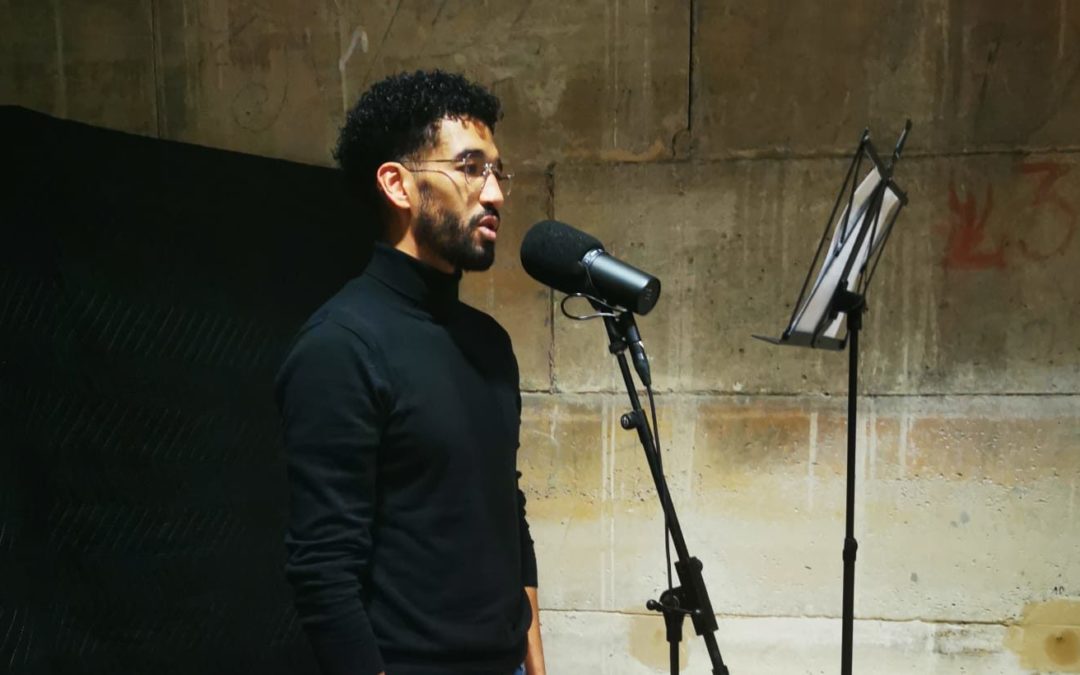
492 192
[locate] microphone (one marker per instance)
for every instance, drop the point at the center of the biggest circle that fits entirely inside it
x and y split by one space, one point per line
572 261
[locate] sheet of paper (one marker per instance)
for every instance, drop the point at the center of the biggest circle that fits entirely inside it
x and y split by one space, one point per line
840 251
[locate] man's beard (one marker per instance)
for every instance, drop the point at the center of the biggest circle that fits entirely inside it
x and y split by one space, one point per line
448 237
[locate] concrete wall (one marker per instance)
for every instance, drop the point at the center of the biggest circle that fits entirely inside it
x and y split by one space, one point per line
703 140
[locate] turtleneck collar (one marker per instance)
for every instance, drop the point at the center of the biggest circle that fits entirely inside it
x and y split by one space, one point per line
430 288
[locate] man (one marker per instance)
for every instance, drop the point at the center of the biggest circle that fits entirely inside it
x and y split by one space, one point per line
408 548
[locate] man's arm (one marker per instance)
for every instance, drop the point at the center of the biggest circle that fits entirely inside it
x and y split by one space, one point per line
534 656
329 397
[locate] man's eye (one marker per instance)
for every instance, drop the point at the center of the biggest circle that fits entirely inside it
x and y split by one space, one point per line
473 168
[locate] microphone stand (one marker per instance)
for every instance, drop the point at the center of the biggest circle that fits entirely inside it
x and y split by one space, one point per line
691 598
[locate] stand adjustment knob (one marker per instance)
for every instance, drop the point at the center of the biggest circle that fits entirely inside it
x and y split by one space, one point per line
628 421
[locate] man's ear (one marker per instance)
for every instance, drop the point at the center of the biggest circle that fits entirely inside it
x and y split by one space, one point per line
395 181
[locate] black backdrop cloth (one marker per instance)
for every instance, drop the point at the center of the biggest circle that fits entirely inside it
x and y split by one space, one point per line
148 292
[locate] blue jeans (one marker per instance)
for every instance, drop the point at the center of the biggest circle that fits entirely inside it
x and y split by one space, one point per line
520 670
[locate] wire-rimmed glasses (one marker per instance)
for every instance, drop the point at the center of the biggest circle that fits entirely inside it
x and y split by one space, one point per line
476 170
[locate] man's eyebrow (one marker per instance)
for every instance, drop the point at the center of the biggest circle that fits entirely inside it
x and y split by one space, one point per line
469 153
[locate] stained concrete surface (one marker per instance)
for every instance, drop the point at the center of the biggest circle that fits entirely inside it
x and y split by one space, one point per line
703 140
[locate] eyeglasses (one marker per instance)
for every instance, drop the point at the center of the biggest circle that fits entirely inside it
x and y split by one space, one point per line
476 171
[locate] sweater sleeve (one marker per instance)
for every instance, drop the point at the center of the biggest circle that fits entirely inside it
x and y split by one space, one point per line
528 553
330 401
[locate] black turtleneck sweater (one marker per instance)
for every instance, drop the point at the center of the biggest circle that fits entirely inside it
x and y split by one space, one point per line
407 545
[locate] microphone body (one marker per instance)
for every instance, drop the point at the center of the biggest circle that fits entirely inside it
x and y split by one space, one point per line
619 283
572 261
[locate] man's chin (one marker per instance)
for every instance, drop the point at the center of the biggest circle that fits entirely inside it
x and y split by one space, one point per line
482 258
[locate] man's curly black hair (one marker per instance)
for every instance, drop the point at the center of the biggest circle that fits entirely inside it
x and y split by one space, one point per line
399 116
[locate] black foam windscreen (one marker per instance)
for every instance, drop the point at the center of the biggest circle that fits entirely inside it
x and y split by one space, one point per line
552 251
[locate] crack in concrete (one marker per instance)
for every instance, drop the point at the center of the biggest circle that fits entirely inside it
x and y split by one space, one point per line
159 86
549 184
1004 623
839 396
691 74
382 42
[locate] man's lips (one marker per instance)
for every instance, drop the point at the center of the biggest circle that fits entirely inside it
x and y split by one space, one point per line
488 226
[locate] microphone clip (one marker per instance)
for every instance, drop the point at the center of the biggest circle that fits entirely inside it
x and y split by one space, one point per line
622 331
604 310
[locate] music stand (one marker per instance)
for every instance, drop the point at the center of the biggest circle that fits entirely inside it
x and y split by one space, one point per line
837 302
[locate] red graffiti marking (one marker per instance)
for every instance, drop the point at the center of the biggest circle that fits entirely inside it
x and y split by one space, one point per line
967 234
1046 196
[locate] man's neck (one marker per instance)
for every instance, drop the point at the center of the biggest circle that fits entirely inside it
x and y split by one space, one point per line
408 245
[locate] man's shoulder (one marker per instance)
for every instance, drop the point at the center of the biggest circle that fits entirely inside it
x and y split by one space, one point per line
354 310
485 322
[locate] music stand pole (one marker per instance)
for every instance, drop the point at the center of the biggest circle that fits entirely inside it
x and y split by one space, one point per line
853 305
